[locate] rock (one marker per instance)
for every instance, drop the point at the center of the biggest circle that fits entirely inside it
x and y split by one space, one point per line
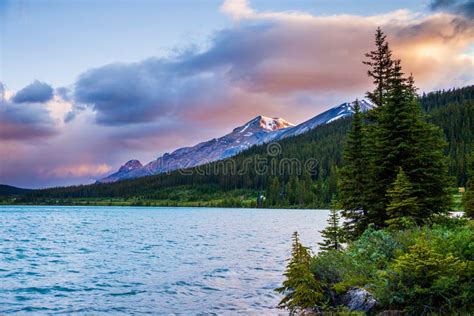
357 299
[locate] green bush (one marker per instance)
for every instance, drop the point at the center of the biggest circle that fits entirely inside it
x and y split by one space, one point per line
425 280
331 268
419 270
372 252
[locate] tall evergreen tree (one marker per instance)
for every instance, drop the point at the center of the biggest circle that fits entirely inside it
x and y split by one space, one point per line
333 235
353 178
381 64
300 288
381 68
469 195
403 209
400 137
404 139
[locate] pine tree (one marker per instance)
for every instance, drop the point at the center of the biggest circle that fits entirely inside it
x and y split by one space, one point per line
300 289
380 70
469 195
353 178
332 184
404 139
320 187
380 62
333 235
401 137
292 190
273 192
307 184
403 209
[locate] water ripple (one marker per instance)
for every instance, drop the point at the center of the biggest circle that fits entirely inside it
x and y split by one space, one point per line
118 260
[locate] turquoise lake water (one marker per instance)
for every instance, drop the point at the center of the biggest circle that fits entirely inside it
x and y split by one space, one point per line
124 260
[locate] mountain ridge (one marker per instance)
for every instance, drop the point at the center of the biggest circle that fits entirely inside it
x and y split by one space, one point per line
241 138
259 130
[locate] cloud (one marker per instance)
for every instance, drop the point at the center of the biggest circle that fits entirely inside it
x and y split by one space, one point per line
35 92
64 93
237 9
2 92
287 52
25 122
463 7
288 64
127 93
37 118
270 58
76 154
80 170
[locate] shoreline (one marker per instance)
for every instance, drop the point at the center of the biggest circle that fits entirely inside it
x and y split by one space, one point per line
163 206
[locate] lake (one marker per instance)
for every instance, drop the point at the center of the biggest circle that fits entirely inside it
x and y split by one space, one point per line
102 260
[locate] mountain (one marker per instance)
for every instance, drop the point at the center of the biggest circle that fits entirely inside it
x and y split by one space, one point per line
128 167
255 132
338 112
8 190
241 138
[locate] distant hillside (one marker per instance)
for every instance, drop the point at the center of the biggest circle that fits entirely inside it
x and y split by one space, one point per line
452 110
8 190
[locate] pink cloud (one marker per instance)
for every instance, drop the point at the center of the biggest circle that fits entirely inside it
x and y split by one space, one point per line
81 170
292 65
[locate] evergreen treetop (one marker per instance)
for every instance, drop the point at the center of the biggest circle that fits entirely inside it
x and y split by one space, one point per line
333 235
403 210
300 289
381 64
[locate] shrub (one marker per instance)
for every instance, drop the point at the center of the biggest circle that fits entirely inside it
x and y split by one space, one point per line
425 280
373 250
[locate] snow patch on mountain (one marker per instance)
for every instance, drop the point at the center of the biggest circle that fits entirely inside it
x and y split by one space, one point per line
257 131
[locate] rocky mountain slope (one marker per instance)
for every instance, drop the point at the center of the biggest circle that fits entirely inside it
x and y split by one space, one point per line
257 131
251 133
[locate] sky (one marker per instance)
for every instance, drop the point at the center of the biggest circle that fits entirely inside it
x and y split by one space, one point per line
86 85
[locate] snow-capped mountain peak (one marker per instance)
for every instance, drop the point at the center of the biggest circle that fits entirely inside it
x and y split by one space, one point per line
273 124
263 122
331 115
257 131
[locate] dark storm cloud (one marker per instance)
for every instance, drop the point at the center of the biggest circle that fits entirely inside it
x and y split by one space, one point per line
463 7
35 92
